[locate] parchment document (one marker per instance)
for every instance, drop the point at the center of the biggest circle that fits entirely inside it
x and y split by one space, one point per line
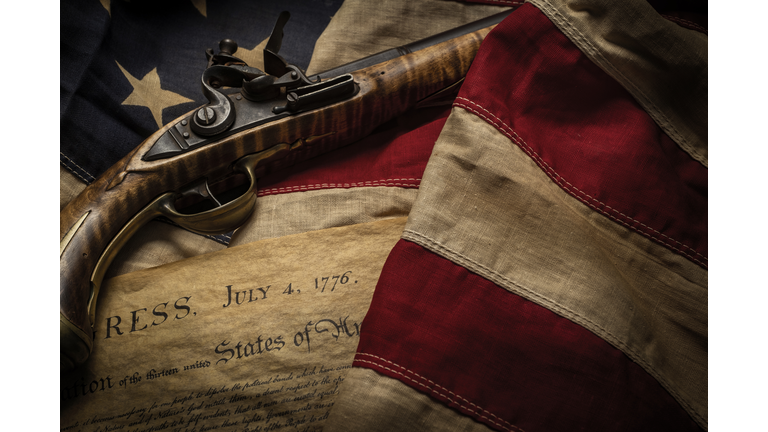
257 337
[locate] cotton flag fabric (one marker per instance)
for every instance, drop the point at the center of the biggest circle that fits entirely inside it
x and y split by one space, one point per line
552 274
127 68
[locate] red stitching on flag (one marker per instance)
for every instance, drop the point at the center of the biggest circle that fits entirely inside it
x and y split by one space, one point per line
548 303
571 188
509 428
415 182
659 116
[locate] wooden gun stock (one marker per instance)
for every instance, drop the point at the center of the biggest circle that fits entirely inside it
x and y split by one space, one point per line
95 224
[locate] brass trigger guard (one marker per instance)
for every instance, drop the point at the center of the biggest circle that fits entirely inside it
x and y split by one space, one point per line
215 221
220 219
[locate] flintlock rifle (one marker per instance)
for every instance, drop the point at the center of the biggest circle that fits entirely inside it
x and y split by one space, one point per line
279 117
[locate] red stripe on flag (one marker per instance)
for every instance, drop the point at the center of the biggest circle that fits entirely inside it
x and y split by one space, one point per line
505 361
587 132
394 155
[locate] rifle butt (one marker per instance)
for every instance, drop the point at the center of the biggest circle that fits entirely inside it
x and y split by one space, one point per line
91 222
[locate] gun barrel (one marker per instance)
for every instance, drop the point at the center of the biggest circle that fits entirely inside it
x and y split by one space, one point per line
92 221
393 53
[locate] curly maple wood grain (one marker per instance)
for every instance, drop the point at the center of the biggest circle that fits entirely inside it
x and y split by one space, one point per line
386 91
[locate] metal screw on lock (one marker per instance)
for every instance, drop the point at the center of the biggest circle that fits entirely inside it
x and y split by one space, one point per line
206 116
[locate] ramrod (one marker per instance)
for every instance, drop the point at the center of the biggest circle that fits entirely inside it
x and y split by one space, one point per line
266 121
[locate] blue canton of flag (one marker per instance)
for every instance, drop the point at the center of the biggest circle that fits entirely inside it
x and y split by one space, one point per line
127 68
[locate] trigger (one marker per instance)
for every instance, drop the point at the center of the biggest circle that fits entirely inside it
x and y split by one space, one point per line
199 188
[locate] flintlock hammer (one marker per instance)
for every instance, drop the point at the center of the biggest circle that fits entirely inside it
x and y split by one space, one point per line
267 120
